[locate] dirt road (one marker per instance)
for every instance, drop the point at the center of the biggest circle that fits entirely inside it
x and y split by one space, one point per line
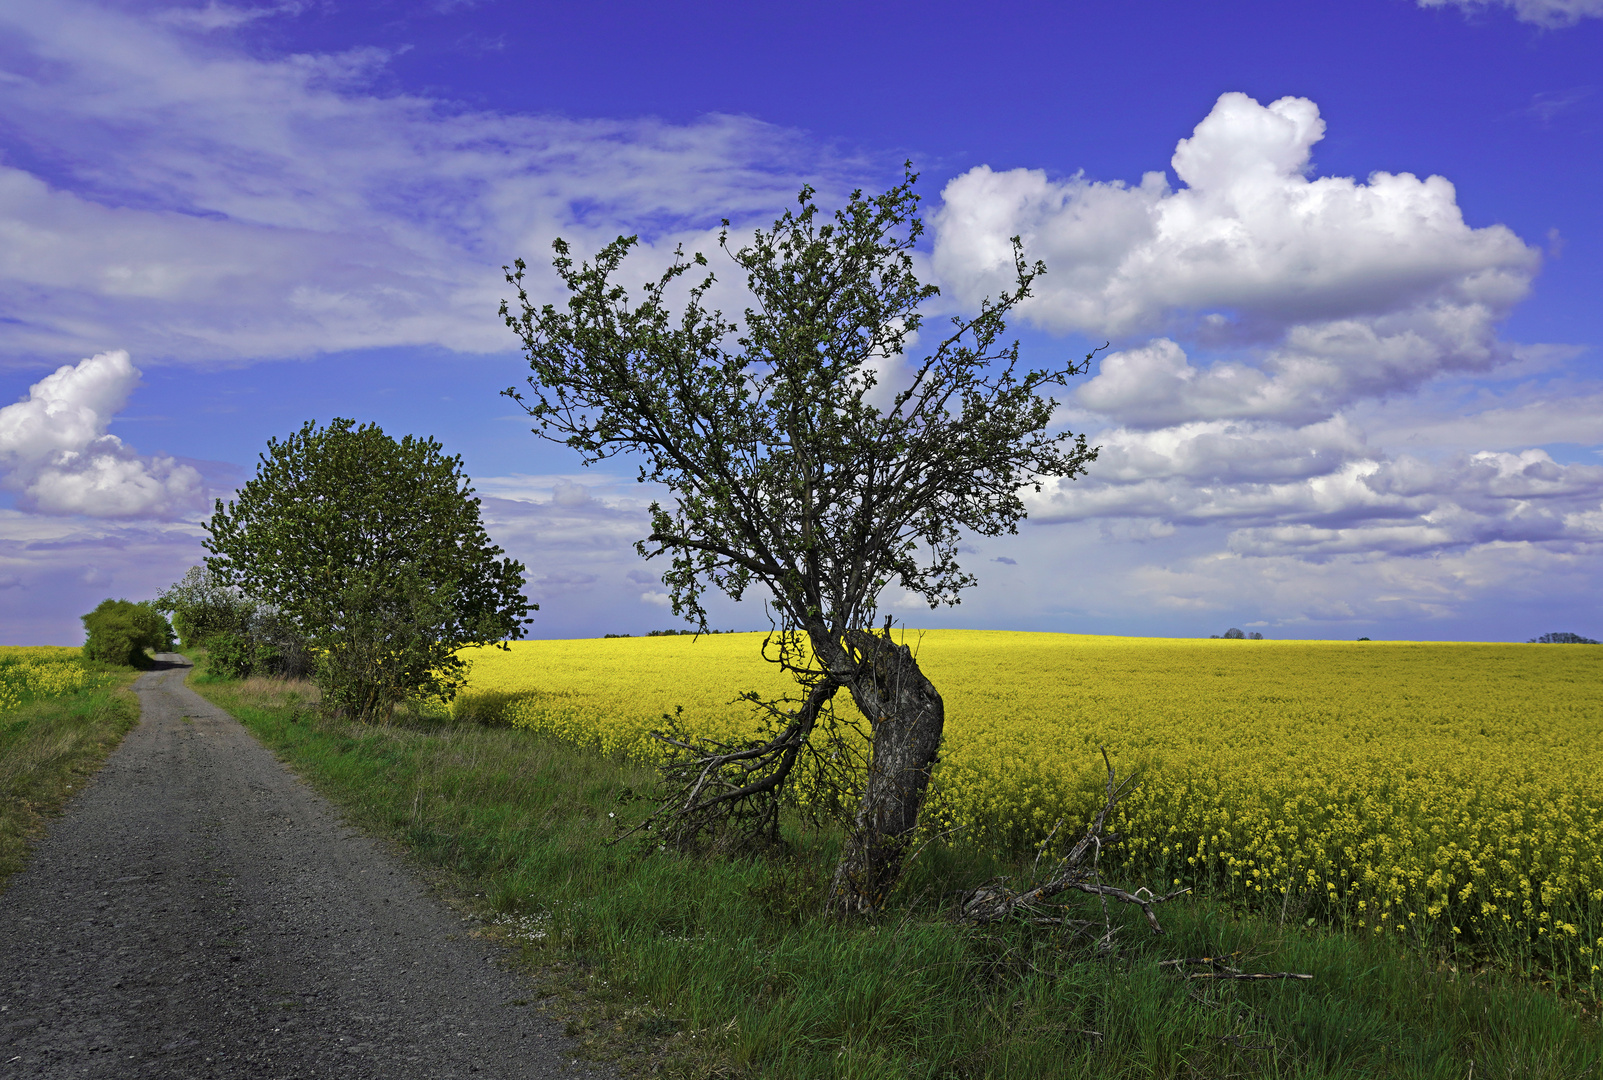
200 912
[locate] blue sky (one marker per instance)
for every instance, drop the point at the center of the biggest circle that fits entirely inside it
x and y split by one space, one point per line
1347 256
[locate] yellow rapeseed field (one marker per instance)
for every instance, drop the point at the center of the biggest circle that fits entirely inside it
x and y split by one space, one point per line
1412 788
34 671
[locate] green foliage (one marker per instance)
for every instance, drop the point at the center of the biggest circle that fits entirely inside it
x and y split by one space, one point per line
229 655
396 640
202 605
120 632
243 636
784 470
373 550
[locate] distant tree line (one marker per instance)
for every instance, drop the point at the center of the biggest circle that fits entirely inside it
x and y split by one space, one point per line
1562 639
1236 635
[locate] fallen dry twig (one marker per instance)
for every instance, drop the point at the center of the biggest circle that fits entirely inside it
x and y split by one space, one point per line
1218 969
1078 870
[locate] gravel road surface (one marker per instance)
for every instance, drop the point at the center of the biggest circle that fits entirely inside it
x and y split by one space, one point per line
200 912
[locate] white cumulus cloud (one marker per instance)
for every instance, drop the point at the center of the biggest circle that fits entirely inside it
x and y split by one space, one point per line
1333 289
1211 451
1276 331
55 450
1264 416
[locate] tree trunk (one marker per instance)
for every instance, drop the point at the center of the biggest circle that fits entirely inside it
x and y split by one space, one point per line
907 717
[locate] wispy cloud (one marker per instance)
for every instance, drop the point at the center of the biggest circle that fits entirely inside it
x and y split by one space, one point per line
195 204
1548 13
1310 413
57 568
1548 105
168 194
215 16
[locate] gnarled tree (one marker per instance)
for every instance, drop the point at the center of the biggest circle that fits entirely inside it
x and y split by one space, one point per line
791 471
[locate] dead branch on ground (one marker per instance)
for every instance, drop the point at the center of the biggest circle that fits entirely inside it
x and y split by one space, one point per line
1219 970
1078 870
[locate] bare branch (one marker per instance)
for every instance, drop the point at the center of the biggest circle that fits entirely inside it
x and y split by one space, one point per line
995 902
1219 970
713 783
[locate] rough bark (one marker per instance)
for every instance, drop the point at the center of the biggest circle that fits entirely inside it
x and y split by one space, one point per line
907 717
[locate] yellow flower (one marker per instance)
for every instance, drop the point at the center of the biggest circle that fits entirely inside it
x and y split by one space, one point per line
1403 772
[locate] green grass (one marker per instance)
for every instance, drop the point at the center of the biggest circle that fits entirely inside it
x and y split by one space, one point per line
703 967
48 748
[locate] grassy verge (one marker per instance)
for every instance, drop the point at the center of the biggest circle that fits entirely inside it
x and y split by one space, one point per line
48 747
713 967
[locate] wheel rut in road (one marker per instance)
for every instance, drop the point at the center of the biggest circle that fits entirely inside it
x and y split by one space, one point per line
198 911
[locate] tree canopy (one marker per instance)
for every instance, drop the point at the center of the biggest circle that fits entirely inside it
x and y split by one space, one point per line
792 469
374 549
203 606
241 635
120 632
784 469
